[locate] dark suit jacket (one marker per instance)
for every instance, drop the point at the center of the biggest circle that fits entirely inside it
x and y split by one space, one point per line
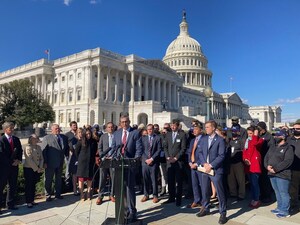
133 147
176 149
54 154
216 153
155 149
6 156
190 149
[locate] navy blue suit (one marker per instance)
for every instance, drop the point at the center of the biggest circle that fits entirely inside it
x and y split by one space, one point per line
150 172
9 173
196 176
214 155
133 149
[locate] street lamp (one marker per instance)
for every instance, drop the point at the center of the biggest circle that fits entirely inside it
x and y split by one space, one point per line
208 92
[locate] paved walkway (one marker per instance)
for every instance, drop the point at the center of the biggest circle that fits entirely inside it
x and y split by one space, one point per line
71 211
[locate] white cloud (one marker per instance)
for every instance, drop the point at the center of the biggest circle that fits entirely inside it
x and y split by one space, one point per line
67 2
94 2
290 101
289 117
245 101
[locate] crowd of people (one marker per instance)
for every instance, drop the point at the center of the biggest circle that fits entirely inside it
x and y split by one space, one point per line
203 163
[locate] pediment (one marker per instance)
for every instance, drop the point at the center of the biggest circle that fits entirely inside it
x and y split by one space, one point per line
158 64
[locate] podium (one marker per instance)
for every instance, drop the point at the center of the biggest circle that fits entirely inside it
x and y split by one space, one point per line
121 166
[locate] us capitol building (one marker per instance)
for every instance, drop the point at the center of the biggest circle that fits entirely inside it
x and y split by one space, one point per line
97 85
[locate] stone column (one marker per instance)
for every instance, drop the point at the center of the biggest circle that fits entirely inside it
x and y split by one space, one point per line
153 89
132 88
146 88
107 85
140 87
116 88
99 83
124 88
174 96
159 98
43 91
169 96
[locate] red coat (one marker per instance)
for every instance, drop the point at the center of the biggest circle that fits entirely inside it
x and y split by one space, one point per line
253 155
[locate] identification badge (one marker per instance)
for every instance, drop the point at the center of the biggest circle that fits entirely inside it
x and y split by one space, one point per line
178 140
232 149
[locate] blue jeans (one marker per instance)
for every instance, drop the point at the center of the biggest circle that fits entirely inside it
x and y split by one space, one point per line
255 191
281 188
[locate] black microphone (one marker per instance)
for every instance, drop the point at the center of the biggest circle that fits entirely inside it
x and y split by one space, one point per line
105 152
119 150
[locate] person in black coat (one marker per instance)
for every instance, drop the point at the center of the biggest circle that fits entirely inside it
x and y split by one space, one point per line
175 147
85 151
278 161
10 157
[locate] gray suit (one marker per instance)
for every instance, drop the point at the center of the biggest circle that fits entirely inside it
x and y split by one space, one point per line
103 146
53 155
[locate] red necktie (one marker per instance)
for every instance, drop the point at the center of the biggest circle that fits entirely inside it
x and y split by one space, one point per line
124 139
11 143
150 146
193 150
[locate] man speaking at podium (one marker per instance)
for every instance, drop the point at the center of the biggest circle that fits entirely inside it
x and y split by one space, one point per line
131 147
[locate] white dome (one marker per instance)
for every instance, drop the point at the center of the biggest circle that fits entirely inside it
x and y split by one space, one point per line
184 43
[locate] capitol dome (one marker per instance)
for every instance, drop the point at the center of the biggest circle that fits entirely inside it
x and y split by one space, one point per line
185 56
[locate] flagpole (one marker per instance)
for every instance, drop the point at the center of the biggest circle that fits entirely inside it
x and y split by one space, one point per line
48 54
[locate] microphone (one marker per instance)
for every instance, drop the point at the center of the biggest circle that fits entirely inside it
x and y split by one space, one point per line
104 153
119 150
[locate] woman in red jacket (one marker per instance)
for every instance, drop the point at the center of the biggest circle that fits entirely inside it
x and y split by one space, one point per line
253 161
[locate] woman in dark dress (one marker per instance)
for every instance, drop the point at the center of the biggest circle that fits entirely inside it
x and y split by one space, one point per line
85 151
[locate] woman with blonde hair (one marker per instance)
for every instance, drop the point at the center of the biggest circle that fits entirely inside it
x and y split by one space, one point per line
33 167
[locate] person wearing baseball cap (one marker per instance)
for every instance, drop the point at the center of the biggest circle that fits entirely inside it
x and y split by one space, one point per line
277 161
236 126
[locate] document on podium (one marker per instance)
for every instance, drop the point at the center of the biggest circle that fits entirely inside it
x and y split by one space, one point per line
202 170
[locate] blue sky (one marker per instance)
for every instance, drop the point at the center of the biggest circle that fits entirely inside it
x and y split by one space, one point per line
256 42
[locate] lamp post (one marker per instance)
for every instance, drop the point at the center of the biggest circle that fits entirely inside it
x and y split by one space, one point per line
208 92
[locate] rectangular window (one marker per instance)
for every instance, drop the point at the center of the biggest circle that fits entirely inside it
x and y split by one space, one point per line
63 79
55 98
78 117
71 77
61 117
70 96
69 117
79 75
62 97
79 95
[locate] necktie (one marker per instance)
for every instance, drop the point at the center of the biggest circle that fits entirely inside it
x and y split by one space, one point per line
149 147
174 136
124 140
11 143
193 150
59 141
109 140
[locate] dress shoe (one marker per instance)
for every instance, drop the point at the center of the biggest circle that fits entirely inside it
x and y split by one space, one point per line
99 201
131 218
155 200
12 207
255 204
223 219
29 205
169 201
59 197
178 202
202 212
193 205
112 199
145 198
48 199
